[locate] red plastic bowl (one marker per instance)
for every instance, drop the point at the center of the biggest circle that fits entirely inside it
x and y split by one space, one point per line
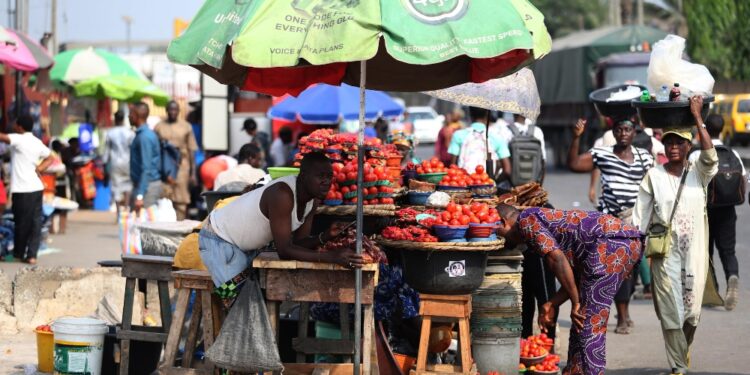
481 230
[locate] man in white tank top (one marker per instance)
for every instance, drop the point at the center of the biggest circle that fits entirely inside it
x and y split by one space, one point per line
281 212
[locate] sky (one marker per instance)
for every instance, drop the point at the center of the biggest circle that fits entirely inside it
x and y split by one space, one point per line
97 20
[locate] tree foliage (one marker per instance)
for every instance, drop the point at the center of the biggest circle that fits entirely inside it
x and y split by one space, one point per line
719 36
565 17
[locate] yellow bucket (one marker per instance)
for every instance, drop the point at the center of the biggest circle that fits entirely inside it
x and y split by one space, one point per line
44 350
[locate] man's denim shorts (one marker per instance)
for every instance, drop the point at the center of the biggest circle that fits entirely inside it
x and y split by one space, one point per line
223 259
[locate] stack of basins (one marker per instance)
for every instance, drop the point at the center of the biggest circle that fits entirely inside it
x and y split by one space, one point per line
496 315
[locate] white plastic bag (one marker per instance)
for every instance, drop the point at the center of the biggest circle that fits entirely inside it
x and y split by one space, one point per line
165 211
667 68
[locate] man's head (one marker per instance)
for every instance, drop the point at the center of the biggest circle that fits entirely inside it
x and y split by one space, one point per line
24 123
173 110
457 115
623 131
250 127
56 146
479 114
316 174
250 154
285 133
509 227
138 114
714 125
73 144
119 118
519 119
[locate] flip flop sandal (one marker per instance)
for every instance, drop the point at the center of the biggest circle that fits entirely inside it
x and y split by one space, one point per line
622 330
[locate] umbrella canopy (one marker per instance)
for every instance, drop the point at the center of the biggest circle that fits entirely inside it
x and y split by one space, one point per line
19 52
121 87
81 64
326 104
516 93
451 42
564 76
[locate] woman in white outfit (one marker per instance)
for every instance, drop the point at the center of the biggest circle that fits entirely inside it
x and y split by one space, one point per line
679 278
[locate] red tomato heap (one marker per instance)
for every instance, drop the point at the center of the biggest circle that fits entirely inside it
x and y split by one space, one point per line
480 177
456 177
345 179
43 328
550 364
476 213
433 165
533 346
409 233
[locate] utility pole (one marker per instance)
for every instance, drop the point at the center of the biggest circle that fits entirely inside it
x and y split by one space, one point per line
128 20
53 28
639 12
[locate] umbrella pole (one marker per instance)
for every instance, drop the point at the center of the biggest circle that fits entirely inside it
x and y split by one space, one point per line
360 209
488 164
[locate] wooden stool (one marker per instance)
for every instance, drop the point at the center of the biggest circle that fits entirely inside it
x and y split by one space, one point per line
205 308
439 306
143 267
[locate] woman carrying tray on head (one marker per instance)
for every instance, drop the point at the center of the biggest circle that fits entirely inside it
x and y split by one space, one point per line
679 274
591 254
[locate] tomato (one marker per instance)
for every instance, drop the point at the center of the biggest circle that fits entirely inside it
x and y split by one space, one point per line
344 190
475 207
371 177
479 169
379 170
339 196
492 218
452 207
420 170
331 195
386 200
457 215
465 220
454 222
474 220
446 216
337 167
483 216
381 176
351 176
466 210
372 191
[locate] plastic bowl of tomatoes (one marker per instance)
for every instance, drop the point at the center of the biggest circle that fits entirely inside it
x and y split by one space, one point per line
450 233
479 230
547 367
432 178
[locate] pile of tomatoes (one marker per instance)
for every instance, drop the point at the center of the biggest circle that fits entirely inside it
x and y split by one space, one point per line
533 347
409 233
433 165
345 183
43 328
550 364
461 178
457 214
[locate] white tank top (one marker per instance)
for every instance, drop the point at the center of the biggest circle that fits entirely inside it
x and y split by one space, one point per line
242 223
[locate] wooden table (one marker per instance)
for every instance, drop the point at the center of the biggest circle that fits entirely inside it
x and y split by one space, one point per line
306 282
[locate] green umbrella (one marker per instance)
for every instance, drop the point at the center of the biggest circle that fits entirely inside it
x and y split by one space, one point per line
79 65
121 87
444 43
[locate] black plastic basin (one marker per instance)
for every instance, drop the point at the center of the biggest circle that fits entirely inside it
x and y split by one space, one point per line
617 110
444 272
669 114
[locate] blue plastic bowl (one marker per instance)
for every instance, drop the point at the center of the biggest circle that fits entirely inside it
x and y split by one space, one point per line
333 202
418 198
450 233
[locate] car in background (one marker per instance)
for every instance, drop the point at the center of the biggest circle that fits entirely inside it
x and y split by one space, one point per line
735 110
426 122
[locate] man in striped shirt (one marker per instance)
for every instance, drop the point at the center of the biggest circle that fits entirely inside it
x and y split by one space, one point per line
622 167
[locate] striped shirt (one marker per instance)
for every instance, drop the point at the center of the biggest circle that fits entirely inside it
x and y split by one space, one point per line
620 180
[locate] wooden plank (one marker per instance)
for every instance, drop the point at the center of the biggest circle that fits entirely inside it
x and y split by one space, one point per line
440 370
272 307
165 307
322 346
440 297
127 305
192 334
124 357
208 327
270 260
147 271
424 340
142 336
192 274
193 284
152 259
344 325
444 309
465 343
317 286
302 323
182 371
368 327
175 330
308 368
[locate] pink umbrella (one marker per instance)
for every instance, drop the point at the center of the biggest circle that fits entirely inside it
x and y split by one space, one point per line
19 52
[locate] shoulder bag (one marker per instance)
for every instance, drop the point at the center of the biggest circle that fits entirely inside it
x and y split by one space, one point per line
659 237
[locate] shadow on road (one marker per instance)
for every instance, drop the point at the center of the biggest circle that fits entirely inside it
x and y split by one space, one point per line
653 371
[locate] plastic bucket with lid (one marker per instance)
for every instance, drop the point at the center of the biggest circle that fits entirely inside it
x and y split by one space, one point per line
78 345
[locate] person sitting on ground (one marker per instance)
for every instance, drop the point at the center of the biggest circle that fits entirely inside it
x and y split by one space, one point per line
248 171
281 213
591 254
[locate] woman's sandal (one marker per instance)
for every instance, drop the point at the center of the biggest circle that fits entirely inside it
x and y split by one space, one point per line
622 329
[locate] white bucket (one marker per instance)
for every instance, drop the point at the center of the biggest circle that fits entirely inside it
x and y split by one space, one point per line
78 345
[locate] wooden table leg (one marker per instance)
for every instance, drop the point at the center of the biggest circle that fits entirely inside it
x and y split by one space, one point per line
272 308
465 341
164 305
175 330
192 334
368 328
345 329
304 318
127 321
424 340
208 327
